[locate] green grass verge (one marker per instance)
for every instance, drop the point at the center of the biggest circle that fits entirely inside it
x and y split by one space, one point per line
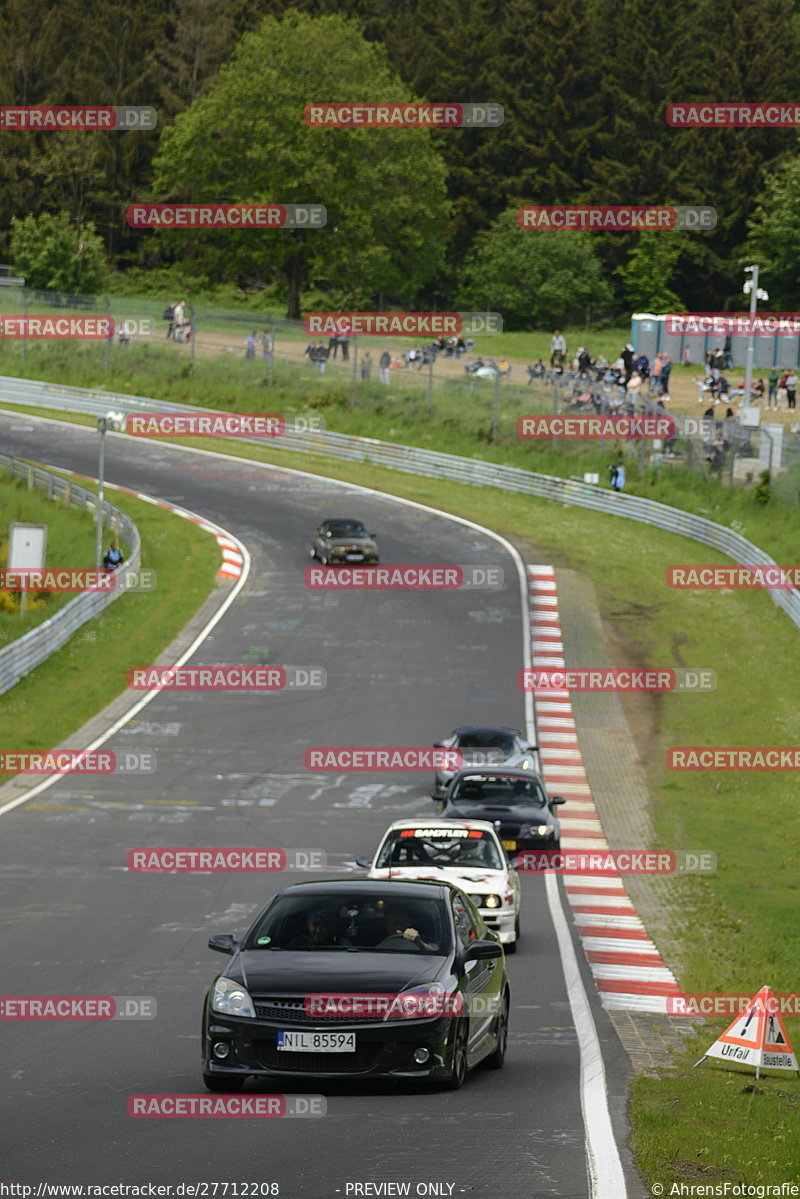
76 682
70 544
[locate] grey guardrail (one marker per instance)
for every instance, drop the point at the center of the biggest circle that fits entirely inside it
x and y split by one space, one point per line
437 465
21 656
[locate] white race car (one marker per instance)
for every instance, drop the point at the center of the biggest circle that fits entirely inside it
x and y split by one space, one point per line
465 852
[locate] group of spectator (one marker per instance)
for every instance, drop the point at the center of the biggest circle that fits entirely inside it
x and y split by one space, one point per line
178 327
780 387
251 344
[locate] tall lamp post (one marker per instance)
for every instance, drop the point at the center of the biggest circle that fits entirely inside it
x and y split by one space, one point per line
756 293
110 423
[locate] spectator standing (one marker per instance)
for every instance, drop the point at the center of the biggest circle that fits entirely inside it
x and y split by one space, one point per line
612 475
791 390
333 346
666 369
266 345
250 345
727 352
366 364
384 362
344 342
655 376
558 346
782 392
772 392
620 477
169 316
627 361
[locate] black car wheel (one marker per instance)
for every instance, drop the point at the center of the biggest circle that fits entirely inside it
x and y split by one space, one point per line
458 1067
496 1060
220 1082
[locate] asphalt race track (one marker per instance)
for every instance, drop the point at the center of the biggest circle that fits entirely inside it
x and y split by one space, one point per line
403 668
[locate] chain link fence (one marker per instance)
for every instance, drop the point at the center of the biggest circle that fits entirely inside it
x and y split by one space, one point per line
264 350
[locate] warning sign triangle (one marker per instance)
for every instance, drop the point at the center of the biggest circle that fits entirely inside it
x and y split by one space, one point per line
756 1037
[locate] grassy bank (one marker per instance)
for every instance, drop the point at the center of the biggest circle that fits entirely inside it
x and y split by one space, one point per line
76 682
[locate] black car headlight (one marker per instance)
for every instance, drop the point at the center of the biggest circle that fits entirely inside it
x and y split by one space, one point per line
229 998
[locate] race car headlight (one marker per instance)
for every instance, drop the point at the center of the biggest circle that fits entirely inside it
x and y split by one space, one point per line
492 901
526 764
537 830
231 999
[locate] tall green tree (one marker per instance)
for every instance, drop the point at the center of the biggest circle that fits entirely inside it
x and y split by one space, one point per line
774 241
52 253
246 140
534 278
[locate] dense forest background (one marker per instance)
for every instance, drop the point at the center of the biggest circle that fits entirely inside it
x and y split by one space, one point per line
418 218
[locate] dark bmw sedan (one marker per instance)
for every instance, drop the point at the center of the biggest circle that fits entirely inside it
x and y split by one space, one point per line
513 799
344 540
358 979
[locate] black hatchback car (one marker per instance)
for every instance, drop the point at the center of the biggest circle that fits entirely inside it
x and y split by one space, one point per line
513 799
358 978
344 540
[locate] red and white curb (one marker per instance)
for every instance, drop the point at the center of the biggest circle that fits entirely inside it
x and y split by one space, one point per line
232 550
628 970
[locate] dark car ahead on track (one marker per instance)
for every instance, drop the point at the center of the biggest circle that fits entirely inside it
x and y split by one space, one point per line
485 745
513 799
344 540
377 946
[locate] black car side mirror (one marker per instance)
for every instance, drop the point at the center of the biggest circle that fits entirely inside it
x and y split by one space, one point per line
480 951
555 799
223 943
365 863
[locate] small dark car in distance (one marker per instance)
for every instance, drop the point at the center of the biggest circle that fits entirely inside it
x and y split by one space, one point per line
424 942
485 745
514 800
344 540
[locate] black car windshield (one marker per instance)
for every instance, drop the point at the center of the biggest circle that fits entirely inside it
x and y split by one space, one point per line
345 528
362 920
498 789
486 740
432 846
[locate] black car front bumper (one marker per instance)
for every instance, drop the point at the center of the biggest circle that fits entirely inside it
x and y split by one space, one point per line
383 1048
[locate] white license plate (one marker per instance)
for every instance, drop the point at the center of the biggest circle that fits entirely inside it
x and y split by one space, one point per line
317 1042
354 557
